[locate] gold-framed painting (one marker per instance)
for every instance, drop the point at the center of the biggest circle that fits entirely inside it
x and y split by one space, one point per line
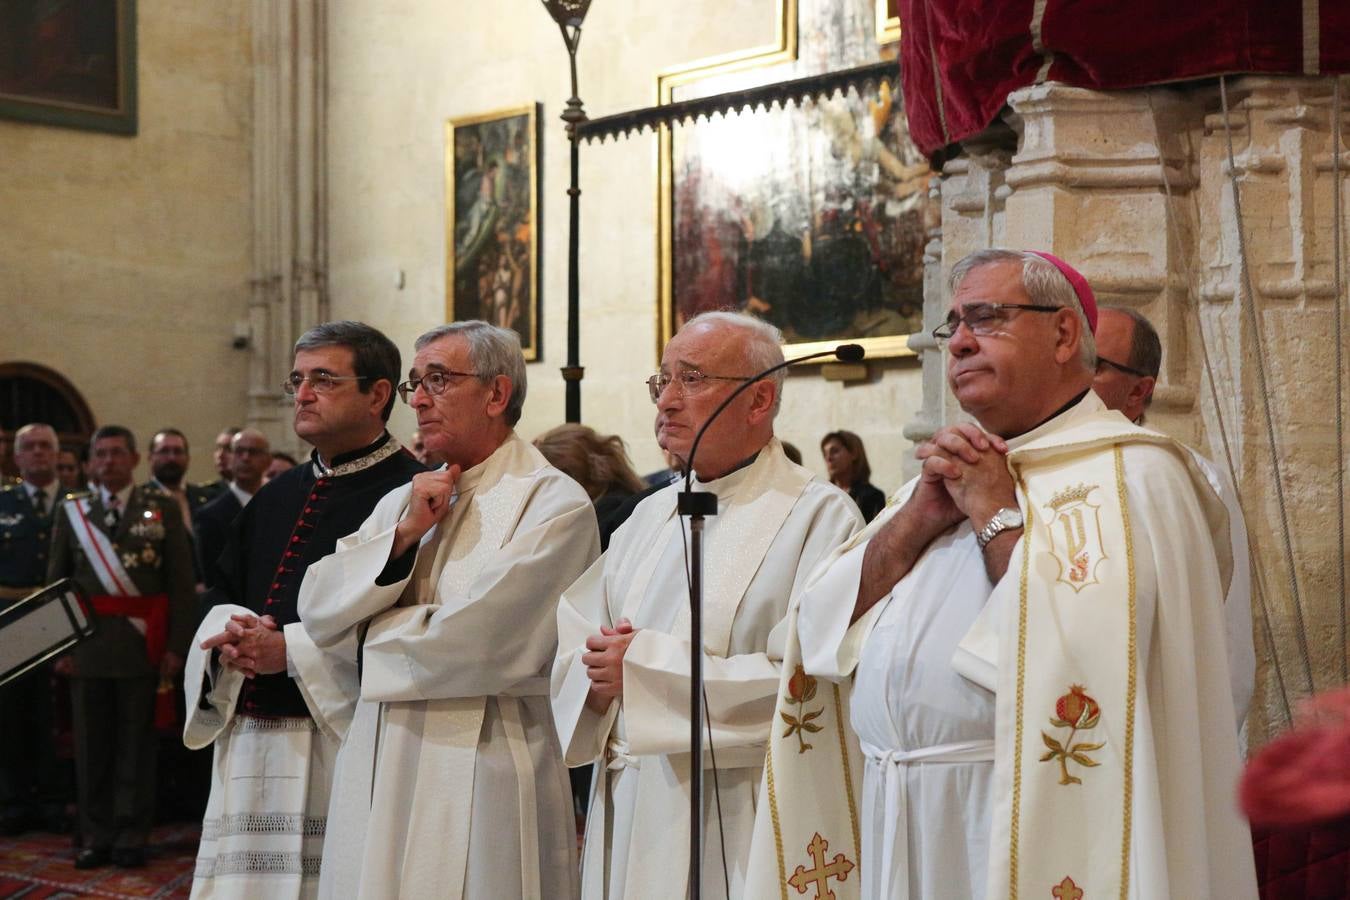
492 201
813 217
888 21
70 63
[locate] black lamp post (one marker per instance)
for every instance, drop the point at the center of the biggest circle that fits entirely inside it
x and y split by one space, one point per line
569 15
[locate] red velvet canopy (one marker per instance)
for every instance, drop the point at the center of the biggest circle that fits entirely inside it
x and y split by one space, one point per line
959 59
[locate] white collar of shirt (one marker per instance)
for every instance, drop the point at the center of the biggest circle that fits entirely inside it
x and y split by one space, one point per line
240 494
123 496
51 491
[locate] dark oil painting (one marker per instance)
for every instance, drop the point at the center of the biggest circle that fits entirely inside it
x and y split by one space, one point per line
493 222
819 229
69 63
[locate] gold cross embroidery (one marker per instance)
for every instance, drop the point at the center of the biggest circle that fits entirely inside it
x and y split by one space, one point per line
822 873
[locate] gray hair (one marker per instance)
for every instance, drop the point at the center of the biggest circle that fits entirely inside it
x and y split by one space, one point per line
374 356
1045 286
764 347
493 351
33 428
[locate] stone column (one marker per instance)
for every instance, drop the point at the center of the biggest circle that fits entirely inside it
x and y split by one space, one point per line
1277 347
289 203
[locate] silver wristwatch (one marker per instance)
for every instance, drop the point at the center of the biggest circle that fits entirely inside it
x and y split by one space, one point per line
1005 518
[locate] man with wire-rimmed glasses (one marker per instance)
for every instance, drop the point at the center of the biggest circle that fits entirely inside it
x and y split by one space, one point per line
1034 630
621 680
274 705
450 780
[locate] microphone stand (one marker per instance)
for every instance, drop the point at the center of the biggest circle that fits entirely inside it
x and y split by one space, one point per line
697 506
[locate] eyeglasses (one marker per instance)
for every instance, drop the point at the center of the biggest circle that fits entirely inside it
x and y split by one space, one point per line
1103 361
687 381
434 383
319 383
984 319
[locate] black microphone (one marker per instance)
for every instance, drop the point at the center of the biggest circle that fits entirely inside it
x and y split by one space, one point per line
850 353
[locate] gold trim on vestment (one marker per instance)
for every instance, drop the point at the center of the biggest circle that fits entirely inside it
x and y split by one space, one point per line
1130 677
848 773
1021 680
773 817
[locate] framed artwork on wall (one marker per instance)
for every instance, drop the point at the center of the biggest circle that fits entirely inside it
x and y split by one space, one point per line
888 20
813 217
70 63
820 230
492 244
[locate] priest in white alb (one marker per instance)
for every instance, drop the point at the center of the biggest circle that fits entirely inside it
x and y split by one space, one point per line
450 782
1034 629
621 679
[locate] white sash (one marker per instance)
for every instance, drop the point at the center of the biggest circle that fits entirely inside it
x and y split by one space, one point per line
99 550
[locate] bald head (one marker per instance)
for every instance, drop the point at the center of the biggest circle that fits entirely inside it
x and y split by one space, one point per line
701 366
250 455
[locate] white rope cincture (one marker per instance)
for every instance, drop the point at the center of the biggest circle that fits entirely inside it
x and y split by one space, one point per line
1247 301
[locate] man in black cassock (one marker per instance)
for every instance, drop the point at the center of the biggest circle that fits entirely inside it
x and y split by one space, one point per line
276 735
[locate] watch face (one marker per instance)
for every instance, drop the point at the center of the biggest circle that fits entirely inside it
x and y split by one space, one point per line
1010 518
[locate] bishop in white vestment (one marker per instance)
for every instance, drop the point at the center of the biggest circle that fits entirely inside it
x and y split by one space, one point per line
1034 630
621 679
450 782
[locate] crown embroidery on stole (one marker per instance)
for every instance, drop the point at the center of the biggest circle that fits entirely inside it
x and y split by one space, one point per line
1076 536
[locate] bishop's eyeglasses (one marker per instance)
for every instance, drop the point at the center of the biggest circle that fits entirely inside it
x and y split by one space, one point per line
686 381
319 382
984 319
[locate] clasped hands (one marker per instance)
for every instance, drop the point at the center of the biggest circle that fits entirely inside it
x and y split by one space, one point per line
253 645
965 476
604 663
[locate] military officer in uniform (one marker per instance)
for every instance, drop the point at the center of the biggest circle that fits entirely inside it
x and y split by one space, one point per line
29 775
169 459
128 549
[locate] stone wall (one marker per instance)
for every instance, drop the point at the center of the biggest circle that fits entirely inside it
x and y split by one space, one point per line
1133 188
125 261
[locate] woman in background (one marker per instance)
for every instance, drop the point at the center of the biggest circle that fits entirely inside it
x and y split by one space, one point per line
846 464
600 465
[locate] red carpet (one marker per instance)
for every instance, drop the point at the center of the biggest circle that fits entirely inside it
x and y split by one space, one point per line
40 865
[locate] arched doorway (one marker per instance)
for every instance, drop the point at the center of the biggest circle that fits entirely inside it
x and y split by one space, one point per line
33 393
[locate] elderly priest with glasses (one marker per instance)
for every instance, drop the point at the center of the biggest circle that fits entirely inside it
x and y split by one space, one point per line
621 680
1036 632
450 783
273 704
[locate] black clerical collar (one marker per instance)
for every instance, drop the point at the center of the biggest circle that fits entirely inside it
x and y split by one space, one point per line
347 463
1057 413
